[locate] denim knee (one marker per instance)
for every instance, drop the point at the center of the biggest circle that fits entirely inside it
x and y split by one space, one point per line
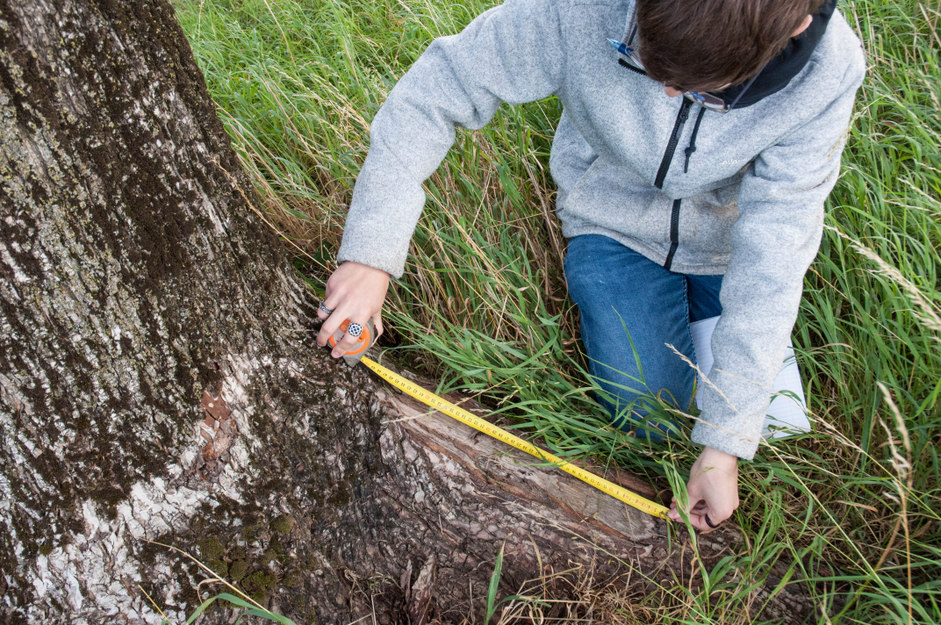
630 309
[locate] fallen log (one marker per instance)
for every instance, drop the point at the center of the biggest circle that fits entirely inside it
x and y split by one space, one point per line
488 497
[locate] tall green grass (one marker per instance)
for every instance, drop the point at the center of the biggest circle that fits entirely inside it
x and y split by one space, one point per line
854 506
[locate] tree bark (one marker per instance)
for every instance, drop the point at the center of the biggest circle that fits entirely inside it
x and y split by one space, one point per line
159 380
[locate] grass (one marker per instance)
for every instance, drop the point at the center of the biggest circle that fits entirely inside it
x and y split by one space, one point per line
854 506
244 604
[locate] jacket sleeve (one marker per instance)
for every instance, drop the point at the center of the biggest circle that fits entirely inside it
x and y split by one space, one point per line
774 240
510 53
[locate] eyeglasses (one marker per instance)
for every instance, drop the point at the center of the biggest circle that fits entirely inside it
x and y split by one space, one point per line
627 56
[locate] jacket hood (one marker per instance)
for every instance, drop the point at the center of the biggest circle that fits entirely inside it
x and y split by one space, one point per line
781 69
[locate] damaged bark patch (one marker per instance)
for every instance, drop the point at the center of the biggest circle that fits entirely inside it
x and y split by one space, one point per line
219 430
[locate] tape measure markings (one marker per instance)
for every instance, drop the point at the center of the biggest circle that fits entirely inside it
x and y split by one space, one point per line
482 425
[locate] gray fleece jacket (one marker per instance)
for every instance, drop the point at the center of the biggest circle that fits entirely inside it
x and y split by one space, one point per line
749 205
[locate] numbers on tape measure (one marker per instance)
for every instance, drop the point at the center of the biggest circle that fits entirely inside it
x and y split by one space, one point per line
482 425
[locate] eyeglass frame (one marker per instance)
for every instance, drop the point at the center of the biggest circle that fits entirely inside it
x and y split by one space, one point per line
629 57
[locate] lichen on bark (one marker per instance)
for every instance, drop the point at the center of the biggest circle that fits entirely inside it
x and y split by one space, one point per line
130 268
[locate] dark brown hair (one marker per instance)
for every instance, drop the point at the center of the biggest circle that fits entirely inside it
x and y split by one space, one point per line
703 45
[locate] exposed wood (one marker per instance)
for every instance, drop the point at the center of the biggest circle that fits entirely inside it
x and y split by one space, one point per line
546 520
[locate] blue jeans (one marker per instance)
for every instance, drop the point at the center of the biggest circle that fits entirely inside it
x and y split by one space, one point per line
630 309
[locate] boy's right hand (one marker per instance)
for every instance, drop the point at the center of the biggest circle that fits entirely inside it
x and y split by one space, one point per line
355 292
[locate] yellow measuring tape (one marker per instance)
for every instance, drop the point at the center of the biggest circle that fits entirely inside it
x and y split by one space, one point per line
430 399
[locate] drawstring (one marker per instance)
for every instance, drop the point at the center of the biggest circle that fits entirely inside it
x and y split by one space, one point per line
692 139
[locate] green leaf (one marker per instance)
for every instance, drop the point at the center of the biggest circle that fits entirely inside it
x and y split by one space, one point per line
494 583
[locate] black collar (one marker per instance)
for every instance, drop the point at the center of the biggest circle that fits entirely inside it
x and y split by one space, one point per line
781 69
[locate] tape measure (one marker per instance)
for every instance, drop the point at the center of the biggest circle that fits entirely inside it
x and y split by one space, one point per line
363 343
481 425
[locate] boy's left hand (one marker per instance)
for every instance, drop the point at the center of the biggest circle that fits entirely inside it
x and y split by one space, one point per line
713 490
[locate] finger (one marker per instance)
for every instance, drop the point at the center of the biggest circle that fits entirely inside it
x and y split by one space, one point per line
350 340
674 512
330 325
324 311
702 513
718 515
377 325
348 343
326 331
698 521
676 504
708 519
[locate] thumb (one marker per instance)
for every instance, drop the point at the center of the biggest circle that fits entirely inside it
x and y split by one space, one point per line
377 324
699 509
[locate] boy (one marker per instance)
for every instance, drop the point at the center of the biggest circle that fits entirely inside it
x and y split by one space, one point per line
659 235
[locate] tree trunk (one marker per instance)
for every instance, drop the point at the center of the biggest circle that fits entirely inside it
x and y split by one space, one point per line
159 380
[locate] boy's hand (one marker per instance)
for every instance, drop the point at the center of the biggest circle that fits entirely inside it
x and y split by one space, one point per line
713 489
355 292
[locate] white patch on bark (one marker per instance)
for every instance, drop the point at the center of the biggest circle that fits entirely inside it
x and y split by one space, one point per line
99 566
18 274
213 214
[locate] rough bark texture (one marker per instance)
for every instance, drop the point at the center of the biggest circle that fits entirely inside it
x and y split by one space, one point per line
159 381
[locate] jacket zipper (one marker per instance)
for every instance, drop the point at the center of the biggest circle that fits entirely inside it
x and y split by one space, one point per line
674 233
681 118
